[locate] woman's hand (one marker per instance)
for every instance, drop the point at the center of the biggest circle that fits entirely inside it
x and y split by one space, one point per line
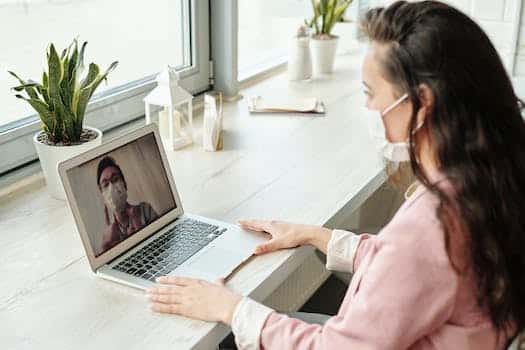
194 298
286 235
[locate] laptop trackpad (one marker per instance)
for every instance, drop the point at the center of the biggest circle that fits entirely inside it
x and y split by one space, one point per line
213 263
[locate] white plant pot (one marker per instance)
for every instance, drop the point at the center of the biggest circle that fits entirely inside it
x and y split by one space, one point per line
323 55
51 156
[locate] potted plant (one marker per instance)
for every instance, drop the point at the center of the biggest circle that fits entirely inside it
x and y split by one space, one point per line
324 45
61 100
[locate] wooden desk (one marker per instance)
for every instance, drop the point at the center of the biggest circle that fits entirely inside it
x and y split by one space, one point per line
296 168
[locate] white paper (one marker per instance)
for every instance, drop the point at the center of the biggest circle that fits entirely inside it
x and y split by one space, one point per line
285 104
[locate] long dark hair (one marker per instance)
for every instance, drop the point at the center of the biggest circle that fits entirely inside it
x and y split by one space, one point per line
478 135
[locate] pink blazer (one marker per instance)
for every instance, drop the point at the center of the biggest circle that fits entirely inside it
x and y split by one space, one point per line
404 294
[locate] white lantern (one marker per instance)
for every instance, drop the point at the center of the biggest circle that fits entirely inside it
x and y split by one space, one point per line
177 106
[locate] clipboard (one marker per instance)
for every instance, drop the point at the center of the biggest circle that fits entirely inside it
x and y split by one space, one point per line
259 104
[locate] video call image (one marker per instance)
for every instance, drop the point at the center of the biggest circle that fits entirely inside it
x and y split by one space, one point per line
121 192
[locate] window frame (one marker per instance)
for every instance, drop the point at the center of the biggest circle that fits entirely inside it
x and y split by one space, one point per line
227 77
124 103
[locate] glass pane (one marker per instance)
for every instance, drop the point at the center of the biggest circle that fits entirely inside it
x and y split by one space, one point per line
266 28
144 36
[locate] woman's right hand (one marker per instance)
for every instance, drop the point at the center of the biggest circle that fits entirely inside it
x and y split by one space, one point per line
283 234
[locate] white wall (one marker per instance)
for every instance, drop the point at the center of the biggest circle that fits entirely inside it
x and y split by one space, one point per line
498 18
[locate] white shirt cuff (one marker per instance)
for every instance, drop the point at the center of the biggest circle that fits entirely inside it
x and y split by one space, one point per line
247 323
341 251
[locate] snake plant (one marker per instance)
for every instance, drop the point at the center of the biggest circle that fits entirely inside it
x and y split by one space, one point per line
328 13
63 95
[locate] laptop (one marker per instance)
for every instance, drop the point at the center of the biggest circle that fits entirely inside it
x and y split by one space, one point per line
131 221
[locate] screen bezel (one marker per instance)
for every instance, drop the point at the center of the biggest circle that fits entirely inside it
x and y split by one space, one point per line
97 261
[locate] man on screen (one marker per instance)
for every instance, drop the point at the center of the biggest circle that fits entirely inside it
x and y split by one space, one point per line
122 218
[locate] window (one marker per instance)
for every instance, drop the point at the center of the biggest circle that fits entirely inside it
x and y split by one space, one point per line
144 36
266 28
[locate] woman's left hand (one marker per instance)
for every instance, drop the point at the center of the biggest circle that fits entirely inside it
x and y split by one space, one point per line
194 298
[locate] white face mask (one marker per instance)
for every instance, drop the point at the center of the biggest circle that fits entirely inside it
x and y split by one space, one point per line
115 196
393 151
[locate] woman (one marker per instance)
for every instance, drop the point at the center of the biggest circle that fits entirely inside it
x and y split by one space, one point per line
448 271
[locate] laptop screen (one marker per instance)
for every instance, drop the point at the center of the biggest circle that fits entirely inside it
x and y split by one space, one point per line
121 192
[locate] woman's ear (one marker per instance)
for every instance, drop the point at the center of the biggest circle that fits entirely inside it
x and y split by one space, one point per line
426 98
424 137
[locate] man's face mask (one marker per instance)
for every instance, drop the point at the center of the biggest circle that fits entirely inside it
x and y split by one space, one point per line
115 195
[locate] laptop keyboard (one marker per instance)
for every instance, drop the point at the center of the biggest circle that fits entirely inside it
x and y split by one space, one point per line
166 252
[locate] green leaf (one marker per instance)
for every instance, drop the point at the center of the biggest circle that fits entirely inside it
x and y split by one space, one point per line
44 80
81 56
339 13
323 4
102 77
45 96
17 77
65 52
80 66
64 83
93 72
333 16
329 16
65 72
81 92
65 119
27 86
88 91
71 86
47 52
313 22
73 61
75 98
322 12
44 91
46 116
56 71
315 8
